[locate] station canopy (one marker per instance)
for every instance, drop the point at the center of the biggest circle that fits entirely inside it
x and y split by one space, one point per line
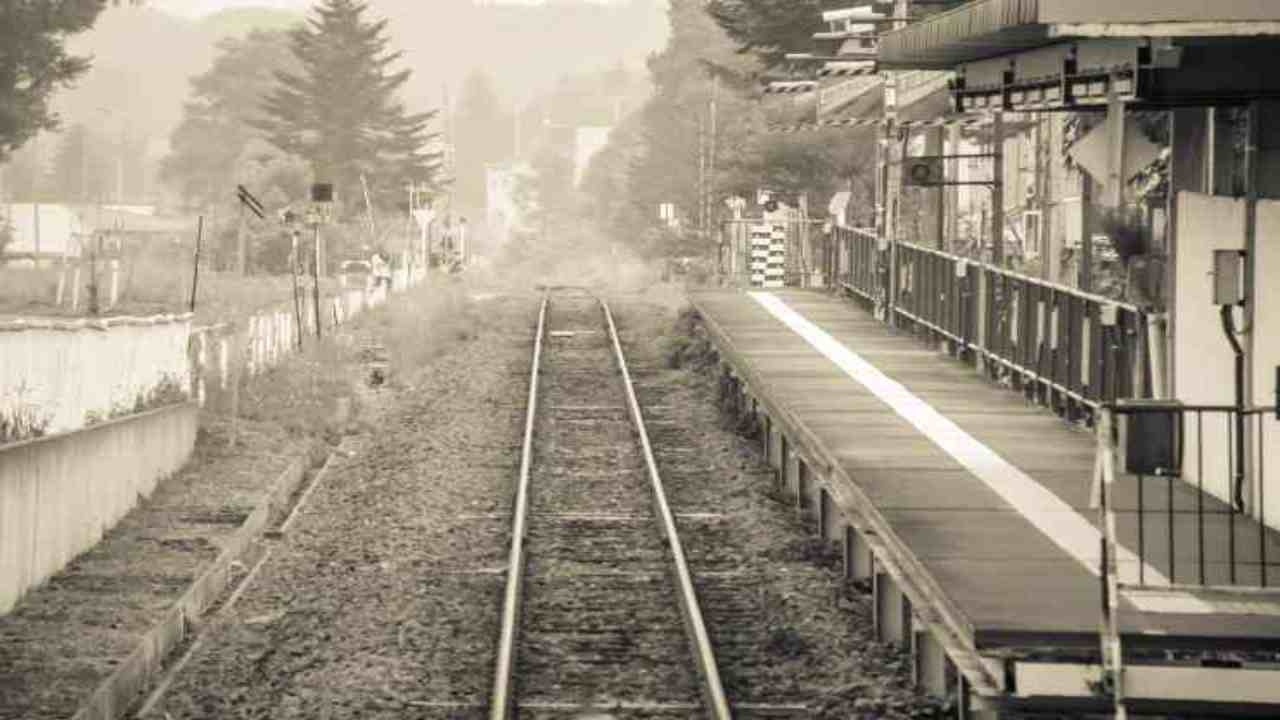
1062 54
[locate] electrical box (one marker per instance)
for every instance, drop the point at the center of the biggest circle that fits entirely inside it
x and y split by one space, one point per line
1152 437
1228 277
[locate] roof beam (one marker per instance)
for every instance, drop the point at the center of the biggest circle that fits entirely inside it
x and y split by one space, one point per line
1164 29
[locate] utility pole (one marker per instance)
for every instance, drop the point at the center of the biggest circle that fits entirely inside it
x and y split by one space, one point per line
711 154
997 190
120 163
315 277
702 175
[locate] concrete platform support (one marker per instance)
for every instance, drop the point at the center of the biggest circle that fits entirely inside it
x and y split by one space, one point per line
780 454
892 611
766 426
932 670
802 486
829 526
859 562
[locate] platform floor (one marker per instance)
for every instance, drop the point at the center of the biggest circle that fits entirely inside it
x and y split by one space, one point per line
988 492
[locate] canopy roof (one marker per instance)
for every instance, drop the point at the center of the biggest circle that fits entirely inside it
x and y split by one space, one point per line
990 28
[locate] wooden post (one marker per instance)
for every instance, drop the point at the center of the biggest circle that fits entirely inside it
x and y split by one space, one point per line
297 292
114 296
195 271
242 242
235 395
94 308
315 276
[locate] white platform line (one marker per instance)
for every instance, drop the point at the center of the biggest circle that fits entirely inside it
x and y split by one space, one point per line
1067 528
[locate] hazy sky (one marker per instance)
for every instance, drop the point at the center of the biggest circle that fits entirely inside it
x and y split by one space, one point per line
194 8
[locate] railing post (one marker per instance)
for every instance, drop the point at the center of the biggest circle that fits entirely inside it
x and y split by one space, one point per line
984 296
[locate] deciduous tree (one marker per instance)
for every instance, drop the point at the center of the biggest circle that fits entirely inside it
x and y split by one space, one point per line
34 63
213 142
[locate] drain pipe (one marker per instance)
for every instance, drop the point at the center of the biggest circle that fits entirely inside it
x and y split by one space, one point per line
1229 328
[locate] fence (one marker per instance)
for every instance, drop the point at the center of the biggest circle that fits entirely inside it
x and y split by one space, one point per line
1194 522
59 494
57 376
269 336
1068 349
856 262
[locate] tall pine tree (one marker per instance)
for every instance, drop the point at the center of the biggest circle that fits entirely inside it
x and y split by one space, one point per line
341 112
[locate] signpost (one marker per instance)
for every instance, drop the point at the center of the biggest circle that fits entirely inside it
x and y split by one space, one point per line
321 212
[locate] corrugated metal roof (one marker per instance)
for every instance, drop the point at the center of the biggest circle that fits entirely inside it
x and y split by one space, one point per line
989 28
980 29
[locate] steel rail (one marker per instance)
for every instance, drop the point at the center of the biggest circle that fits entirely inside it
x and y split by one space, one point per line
700 640
501 702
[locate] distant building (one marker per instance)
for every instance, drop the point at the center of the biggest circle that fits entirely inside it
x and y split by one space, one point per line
52 230
42 231
504 212
587 142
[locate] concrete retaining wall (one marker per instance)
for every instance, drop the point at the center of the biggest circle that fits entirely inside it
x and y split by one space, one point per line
60 494
57 374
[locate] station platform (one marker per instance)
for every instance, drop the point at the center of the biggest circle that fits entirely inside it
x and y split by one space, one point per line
974 507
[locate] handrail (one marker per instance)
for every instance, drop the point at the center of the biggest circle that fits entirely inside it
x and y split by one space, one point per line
703 653
1076 292
501 702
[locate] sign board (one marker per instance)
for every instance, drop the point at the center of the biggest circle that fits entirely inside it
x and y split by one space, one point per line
1093 150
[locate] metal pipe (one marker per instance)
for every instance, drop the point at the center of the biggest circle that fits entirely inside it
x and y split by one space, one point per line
1229 328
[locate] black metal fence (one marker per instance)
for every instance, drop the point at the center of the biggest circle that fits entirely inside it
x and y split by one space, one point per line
1068 349
1202 519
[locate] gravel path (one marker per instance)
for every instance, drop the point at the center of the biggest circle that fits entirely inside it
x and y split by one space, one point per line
384 597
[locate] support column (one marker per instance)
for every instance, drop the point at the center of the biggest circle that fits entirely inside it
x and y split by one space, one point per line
1085 281
997 189
1188 172
892 611
936 202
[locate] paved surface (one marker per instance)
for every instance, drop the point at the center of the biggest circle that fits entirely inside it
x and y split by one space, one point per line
988 492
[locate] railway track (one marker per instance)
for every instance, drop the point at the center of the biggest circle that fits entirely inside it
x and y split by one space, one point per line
600 613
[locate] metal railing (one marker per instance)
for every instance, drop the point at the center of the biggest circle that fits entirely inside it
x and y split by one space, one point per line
857 262
1179 523
1202 520
1068 349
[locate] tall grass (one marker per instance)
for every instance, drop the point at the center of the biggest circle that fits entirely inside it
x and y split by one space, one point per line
149 286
